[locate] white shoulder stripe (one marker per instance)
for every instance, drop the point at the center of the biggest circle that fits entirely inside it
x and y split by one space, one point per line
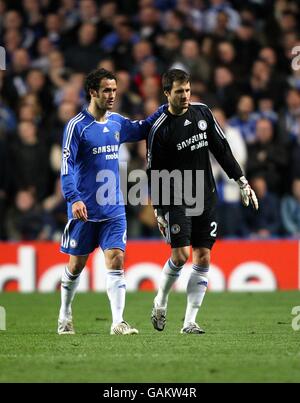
198 103
69 132
70 129
154 128
219 129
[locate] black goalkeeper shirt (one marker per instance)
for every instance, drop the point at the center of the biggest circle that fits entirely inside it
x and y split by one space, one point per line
183 143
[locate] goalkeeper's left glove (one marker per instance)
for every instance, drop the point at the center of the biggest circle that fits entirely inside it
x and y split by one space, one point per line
161 222
247 193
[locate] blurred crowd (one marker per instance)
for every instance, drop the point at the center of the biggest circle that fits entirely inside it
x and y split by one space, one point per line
239 55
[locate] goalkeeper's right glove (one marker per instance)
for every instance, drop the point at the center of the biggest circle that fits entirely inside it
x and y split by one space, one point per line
247 193
161 222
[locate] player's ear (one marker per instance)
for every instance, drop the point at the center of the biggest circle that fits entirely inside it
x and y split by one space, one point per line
93 93
167 94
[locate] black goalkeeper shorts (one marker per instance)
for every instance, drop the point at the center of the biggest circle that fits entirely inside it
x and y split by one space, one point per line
198 231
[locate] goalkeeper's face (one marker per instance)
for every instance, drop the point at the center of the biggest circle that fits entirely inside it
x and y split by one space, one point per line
179 96
106 95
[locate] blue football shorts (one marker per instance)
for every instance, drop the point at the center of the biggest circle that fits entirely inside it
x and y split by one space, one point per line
81 238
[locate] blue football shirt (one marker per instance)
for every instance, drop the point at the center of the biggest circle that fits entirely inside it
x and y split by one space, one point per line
90 161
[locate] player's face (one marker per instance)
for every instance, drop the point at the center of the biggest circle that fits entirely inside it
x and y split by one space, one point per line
179 96
106 95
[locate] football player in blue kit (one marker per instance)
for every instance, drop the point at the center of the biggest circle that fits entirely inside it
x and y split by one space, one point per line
91 185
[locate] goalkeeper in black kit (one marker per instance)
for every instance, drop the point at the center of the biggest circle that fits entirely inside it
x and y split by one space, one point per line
178 149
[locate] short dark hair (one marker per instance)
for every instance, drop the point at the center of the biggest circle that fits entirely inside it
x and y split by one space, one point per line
93 80
174 75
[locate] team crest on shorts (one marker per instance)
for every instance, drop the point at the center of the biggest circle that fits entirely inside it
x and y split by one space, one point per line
175 229
73 243
117 136
202 124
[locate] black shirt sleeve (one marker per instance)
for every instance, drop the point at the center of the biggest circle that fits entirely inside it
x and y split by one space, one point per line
220 148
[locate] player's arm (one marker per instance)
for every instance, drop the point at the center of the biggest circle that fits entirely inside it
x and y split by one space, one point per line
69 153
220 148
136 130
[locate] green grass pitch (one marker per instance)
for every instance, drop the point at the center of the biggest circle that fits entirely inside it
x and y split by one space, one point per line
249 339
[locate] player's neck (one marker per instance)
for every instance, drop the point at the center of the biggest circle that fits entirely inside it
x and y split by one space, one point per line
99 114
176 111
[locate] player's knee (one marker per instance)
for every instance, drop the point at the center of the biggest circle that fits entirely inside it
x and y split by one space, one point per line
204 259
117 261
180 258
76 267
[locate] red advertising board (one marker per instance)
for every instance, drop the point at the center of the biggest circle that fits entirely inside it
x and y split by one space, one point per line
235 266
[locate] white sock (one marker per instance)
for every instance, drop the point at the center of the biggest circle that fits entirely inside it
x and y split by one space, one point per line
116 291
69 284
169 275
196 288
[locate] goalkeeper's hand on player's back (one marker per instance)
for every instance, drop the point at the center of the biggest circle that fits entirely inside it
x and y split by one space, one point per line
247 193
79 211
161 222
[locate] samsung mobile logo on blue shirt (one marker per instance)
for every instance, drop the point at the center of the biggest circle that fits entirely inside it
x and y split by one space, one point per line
106 149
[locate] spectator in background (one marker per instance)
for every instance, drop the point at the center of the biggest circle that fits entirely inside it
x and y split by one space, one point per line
226 57
149 23
265 109
211 15
289 118
150 89
174 20
29 161
58 73
29 109
44 48
36 83
169 47
265 222
53 25
108 10
191 61
69 14
244 121
119 43
246 45
33 17
148 68
12 42
226 90
267 158
141 51
261 81
107 63
14 20
290 211
128 102
222 30
84 55
3 184
55 206
14 85
26 220
7 119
